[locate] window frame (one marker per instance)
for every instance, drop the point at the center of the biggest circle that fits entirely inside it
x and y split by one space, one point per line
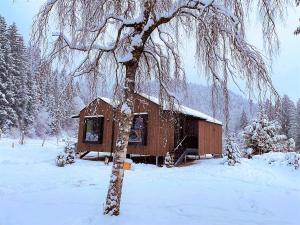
100 120
145 116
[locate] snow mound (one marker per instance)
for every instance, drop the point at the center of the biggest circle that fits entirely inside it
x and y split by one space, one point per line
280 158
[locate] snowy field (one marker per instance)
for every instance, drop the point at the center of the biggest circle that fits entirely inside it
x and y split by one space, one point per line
33 191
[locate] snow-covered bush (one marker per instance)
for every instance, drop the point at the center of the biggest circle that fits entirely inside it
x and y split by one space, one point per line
247 153
169 160
70 147
60 160
288 145
263 136
70 158
293 159
231 153
281 158
69 152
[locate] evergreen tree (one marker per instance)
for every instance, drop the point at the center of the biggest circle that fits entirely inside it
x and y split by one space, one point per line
16 71
31 109
285 115
262 136
270 110
243 120
3 75
298 126
7 114
23 83
232 152
288 117
292 132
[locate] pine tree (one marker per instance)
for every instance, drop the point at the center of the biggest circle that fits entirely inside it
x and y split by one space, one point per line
16 71
270 110
263 136
243 120
297 140
285 115
3 75
23 83
232 152
33 61
292 132
7 114
42 76
288 117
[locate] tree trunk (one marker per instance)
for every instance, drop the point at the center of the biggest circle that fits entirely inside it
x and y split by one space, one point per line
113 198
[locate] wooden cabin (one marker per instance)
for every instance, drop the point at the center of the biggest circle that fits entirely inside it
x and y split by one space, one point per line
155 131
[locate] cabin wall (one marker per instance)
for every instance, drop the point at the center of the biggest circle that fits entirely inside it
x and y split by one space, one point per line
160 130
166 134
210 138
159 133
97 107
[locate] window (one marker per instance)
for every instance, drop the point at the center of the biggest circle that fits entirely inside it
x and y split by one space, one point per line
138 133
93 130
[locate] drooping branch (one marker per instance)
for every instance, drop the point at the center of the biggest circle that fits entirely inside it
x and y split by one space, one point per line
118 32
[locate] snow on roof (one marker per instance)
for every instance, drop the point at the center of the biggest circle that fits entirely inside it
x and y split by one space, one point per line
108 100
180 108
185 110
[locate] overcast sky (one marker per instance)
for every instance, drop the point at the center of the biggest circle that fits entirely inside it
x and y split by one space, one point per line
286 67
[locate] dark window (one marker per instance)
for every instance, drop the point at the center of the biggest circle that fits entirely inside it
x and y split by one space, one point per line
93 130
138 133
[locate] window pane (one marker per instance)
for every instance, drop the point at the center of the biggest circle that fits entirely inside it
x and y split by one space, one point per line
138 133
93 129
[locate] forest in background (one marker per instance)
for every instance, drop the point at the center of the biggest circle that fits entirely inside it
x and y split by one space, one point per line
34 98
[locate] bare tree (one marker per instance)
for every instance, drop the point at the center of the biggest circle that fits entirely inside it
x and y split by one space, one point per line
140 39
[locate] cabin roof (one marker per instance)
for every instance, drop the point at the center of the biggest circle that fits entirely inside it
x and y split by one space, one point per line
184 110
180 108
108 100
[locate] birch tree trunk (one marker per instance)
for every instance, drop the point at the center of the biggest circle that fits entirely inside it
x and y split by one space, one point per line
113 198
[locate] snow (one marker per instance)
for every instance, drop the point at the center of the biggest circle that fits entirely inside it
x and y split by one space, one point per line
94 116
109 101
33 191
185 110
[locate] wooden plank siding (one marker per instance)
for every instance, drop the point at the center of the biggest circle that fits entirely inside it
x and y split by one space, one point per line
166 134
160 133
210 138
160 130
143 105
97 107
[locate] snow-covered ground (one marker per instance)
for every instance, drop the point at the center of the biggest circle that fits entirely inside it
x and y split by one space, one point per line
33 191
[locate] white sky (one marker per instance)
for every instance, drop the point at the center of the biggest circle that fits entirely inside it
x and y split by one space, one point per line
286 67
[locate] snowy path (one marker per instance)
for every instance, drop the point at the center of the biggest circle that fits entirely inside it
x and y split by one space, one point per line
33 191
